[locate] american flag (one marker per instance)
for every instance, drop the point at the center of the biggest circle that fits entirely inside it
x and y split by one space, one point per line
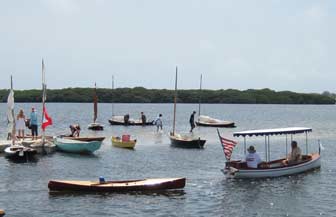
227 145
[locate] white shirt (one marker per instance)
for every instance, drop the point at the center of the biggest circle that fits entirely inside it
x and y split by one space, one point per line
252 160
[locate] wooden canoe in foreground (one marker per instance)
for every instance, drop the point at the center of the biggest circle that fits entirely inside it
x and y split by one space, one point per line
117 186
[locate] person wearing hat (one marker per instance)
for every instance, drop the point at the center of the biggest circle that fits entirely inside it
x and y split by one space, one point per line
252 158
192 121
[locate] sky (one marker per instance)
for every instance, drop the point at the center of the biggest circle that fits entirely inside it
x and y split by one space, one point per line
251 44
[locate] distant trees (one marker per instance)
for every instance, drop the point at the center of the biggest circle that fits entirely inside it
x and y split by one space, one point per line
143 95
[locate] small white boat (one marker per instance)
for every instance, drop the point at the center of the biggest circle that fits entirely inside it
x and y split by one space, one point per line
76 146
207 121
19 152
275 168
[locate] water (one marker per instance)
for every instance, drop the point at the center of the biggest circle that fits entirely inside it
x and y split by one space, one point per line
24 192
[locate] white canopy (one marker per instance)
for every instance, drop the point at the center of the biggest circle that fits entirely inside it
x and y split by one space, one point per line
277 131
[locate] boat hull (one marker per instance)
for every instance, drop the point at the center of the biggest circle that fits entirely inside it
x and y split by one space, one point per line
312 164
115 122
181 143
72 146
119 143
27 154
222 124
118 186
96 127
84 139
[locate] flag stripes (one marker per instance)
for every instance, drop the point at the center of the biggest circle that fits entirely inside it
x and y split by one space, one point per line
227 145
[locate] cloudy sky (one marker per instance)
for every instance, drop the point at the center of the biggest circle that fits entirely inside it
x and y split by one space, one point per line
278 44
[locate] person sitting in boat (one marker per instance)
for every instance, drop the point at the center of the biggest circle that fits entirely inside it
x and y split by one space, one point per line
75 130
143 119
252 158
295 155
126 119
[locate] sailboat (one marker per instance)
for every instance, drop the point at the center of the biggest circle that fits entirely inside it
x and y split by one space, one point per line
94 125
43 145
120 120
183 141
207 121
15 151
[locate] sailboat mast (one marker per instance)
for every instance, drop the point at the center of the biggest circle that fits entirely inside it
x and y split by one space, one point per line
95 106
12 112
175 99
112 106
200 97
43 99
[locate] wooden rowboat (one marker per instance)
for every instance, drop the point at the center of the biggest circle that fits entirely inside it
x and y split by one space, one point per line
117 142
131 122
186 142
73 146
84 139
118 186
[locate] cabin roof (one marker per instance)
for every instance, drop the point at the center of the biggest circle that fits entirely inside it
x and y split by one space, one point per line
271 132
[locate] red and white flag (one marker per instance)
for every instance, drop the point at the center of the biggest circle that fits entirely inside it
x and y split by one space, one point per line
227 145
46 119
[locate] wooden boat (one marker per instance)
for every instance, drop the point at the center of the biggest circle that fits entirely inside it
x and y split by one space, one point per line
183 141
118 186
206 121
20 153
274 168
2 213
95 126
74 146
84 139
118 142
119 120
186 141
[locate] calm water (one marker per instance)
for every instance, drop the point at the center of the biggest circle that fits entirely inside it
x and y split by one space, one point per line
24 192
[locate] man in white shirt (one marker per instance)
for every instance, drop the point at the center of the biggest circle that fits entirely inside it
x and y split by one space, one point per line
252 158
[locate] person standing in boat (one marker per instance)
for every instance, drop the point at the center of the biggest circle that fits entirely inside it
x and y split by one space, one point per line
252 158
20 123
192 121
143 119
126 119
158 123
33 123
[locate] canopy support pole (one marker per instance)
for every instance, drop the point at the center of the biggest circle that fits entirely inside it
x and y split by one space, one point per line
244 145
306 143
266 149
286 145
269 151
